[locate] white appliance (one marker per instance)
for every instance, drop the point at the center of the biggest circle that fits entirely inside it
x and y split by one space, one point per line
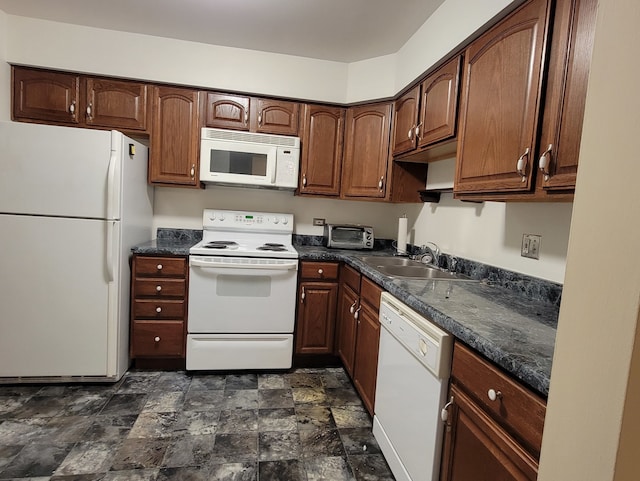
249 159
72 204
413 371
242 292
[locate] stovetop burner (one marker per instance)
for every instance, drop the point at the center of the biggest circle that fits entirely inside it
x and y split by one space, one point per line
272 246
221 244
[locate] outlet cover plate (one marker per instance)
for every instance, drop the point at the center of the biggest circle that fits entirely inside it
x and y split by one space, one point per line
318 221
530 246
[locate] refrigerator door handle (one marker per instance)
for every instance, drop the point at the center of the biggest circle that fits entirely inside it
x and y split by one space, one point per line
112 187
111 232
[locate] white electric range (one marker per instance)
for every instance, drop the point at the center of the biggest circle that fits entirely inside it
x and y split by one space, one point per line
242 292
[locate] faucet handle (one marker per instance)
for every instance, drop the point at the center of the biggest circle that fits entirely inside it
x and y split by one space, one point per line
453 262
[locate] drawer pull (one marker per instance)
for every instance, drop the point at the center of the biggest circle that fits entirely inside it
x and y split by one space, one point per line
493 394
320 271
158 309
158 288
156 339
159 267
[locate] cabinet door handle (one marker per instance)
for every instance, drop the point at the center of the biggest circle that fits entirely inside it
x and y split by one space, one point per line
89 109
356 314
303 295
381 183
410 133
545 160
157 338
304 180
246 116
193 170
444 413
521 165
492 394
418 131
260 119
352 309
72 109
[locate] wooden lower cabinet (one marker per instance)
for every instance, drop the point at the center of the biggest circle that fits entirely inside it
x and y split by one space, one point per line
317 297
358 332
158 307
494 428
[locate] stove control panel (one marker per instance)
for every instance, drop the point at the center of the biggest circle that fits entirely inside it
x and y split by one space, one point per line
246 221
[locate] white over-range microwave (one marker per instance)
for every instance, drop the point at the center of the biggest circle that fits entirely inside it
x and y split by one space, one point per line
248 159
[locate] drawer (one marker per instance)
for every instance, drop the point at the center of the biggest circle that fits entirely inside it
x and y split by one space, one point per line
519 410
161 339
158 309
370 293
160 266
160 288
319 270
350 277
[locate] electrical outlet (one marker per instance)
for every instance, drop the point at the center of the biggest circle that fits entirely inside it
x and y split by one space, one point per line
530 246
318 221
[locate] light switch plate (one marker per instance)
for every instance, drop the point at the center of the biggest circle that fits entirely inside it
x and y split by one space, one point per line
319 221
530 246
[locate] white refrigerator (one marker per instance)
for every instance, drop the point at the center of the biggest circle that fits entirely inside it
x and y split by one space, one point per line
72 204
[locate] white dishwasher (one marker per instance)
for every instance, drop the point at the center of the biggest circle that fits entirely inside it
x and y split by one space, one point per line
413 371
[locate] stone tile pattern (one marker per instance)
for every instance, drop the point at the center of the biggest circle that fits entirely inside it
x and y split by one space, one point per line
302 424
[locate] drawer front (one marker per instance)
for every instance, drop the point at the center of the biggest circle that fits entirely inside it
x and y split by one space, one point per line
350 277
160 288
517 409
158 309
319 270
160 266
370 293
161 339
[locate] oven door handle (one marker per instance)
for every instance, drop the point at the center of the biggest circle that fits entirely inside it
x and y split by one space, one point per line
283 266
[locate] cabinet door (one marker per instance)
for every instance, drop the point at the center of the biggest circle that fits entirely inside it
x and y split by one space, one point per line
322 142
316 317
227 111
116 104
365 369
405 120
275 116
570 59
500 104
346 325
364 167
476 448
47 96
439 107
174 137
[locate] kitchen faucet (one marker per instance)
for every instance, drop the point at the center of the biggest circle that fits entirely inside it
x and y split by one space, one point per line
430 254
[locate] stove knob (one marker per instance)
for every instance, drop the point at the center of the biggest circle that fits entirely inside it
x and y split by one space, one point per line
212 217
221 217
275 220
285 221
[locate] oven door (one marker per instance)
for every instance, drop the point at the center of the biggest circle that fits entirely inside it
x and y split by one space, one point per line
229 295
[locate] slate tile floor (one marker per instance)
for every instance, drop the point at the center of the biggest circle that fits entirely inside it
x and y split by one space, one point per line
302 425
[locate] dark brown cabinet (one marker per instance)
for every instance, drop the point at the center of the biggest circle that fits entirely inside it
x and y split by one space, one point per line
71 99
364 172
494 428
358 332
317 297
240 112
501 98
405 121
175 137
568 75
158 307
322 135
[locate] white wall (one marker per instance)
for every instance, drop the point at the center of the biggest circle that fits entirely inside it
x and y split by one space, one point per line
175 207
592 427
5 71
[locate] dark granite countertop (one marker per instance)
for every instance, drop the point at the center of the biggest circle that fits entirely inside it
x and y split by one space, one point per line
513 330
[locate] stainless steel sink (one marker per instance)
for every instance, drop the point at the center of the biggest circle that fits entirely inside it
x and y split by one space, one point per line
402 267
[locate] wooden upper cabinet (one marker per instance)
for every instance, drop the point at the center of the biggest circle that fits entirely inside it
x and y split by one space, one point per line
175 137
322 145
364 171
439 104
569 62
274 116
116 104
500 103
46 96
224 111
405 121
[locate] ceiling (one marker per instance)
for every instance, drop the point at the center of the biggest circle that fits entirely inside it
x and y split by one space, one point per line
338 30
